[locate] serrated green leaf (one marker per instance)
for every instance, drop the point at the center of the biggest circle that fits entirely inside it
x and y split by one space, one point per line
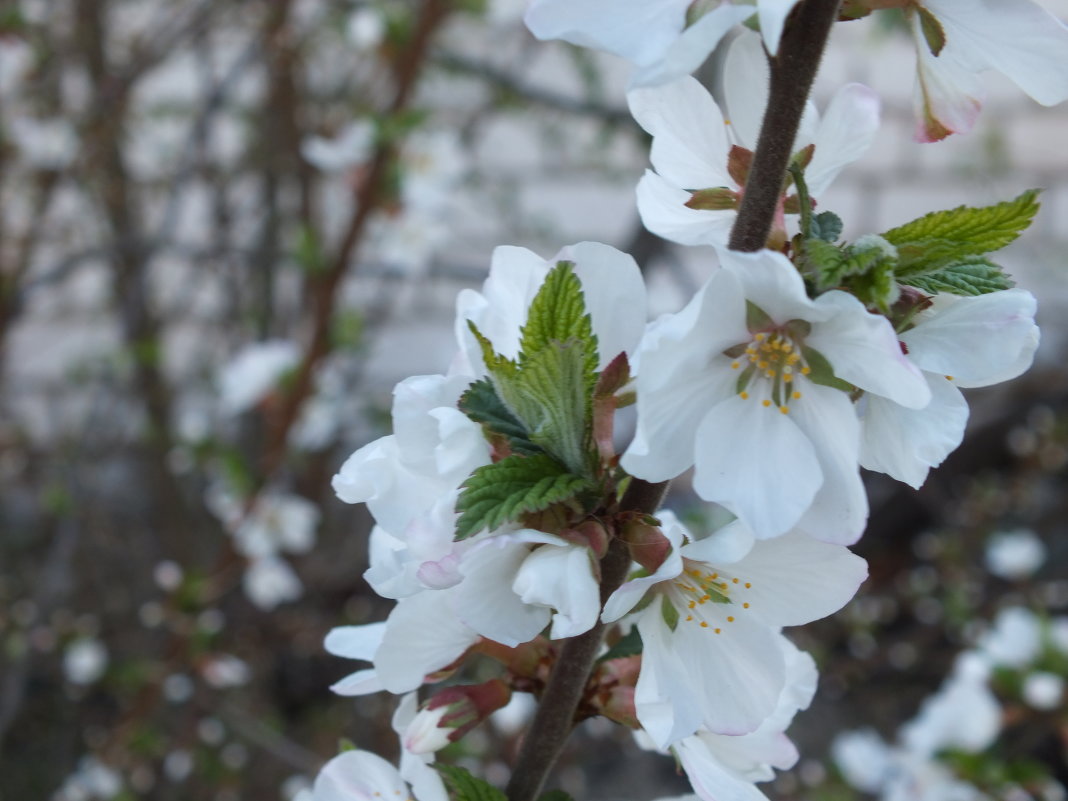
499 493
969 276
876 287
826 226
551 397
558 314
630 644
481 403
930 242
463 786
498 366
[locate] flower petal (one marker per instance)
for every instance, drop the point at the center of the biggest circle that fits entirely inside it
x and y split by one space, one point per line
844 134
355 642
358 776
691 49
756 462
561 578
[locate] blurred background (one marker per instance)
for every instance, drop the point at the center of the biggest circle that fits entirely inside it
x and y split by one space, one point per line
229 227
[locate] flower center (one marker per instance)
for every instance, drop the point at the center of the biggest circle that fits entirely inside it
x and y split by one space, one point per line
708 597
769 366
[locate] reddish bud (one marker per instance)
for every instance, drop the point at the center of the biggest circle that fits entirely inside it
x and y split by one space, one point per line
648 545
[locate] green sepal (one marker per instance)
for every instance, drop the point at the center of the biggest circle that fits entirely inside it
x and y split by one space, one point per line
821 372
933 32
504 491
630 644
719 198
669 613
463 786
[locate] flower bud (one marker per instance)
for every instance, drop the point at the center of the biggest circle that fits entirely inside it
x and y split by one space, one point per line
451 713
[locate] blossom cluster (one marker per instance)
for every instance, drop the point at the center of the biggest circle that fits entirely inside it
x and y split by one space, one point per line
505 493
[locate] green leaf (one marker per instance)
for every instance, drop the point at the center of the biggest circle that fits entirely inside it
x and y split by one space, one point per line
481 403
970 276
558 314
629 645
499 493
551 396
498 366
933 240
463 786
826 226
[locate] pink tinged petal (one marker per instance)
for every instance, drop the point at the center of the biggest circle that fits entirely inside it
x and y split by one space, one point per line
362 682
355 642
614 292
734 677
423 634
485 600
358 776
691 49
978 341
756 462
794 580
724 546
839 512
640 31
745 88
631 592
661 695
773 15
844 135
864 350
561 578
690 145
663 210
948 96
711 779
772 282
906 443
1018 38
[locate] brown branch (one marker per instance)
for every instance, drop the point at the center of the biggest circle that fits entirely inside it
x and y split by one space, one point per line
792 71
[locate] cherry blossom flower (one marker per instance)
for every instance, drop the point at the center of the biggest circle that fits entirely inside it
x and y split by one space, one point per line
657 36
730 385
254 372
962 38
693 195
957 342
712 656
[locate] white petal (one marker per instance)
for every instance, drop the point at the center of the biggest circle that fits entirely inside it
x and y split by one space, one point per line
663 210
485 600
690 50
978 340
773 15
689 136
745 87
423 634
662 693
864 350
640 31
724 546
756 461
362 682
906 443
772 282
795 579
1018 38
358 776
614 292
839 511
516 275
711 779
948 96
844 134
355 642
561 578
631 592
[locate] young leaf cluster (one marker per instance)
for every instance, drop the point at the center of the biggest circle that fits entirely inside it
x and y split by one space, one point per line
536 410
944 251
